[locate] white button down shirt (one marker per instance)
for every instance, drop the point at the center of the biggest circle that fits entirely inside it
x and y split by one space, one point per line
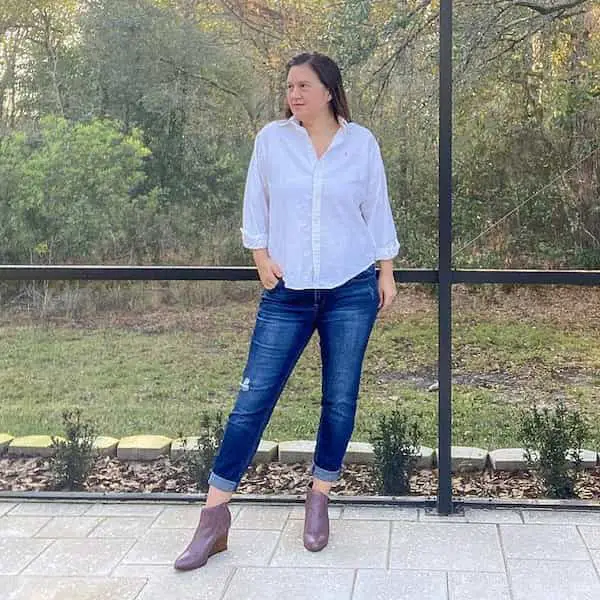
324 220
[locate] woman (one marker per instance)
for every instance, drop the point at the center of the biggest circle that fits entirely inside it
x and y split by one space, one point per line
316 216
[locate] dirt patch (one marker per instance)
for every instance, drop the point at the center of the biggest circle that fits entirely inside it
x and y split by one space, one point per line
496 380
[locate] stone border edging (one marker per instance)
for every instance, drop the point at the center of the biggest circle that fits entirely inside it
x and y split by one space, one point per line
151 447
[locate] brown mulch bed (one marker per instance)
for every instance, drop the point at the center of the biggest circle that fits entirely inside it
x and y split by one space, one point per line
164 475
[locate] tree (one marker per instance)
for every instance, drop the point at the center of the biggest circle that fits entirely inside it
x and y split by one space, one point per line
68 192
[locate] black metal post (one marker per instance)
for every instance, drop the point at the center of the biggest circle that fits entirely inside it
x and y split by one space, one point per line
445 263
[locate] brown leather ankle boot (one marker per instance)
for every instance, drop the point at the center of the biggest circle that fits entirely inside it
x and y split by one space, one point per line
316 521
209 538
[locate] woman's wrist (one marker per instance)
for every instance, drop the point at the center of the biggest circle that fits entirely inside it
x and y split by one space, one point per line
260 255
386 267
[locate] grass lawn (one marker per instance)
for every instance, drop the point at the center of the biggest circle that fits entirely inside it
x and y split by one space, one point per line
155 371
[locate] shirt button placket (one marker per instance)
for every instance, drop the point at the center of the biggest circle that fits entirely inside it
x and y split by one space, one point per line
316 221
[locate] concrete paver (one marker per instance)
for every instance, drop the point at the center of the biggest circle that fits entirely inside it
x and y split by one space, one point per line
376 584
6 506
126 509
544 542
483 515
446 547
268 583
561 517
478 586
261 517
74 588
163 582
50 509
121 527
384 513
16 553
590 535
24 527
67 527
553 580
79 557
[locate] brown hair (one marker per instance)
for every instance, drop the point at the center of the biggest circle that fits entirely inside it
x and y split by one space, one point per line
330 76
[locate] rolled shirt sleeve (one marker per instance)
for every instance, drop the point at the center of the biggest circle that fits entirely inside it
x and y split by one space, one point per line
255 216
376 209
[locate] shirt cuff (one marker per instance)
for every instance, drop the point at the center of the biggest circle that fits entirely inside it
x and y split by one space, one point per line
387 252
254 242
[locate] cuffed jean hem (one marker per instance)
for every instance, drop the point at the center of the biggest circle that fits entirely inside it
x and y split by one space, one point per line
221 484
324 475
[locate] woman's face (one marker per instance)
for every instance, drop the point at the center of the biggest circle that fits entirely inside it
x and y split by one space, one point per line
307 97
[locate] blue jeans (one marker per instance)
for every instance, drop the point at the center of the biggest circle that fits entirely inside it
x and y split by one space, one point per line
286 319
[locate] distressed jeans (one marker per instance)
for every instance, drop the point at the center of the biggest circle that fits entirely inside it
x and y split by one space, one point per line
286 319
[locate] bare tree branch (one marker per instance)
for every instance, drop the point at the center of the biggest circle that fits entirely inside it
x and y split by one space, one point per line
178 70
391 63
234 9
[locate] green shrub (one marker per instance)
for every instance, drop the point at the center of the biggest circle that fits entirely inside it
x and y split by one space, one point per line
557 437
73 457
396 443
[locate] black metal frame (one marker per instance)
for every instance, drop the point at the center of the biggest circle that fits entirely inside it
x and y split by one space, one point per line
187 273
445 263
445 276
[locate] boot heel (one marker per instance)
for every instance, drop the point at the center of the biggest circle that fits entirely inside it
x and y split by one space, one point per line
219 546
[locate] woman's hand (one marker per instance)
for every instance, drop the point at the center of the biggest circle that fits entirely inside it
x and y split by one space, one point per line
387 285
268 270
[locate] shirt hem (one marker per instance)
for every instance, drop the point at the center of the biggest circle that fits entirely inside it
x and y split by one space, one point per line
333 285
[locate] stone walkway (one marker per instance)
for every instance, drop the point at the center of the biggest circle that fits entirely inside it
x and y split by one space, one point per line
96 551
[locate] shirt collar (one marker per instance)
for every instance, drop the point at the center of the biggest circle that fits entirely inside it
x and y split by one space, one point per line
294 121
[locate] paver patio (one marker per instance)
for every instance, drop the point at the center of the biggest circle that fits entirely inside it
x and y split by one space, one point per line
125 551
